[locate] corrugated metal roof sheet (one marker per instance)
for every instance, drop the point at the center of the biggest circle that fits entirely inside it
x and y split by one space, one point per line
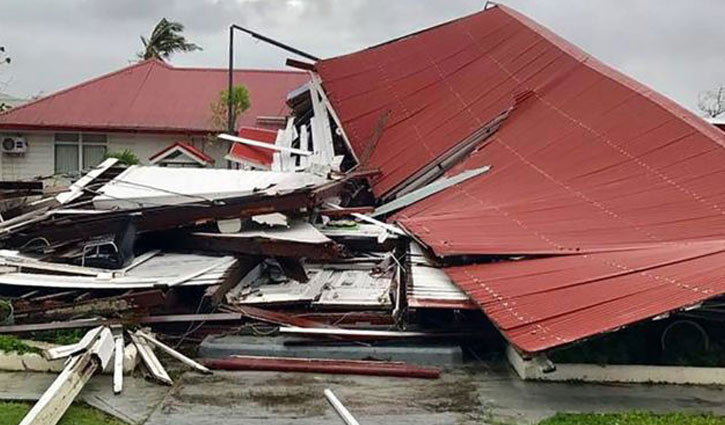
620 184
155 97
544 303
255 155
442 84
592 161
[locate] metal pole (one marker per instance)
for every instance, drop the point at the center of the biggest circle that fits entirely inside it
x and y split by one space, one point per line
230 118
279 44
230 115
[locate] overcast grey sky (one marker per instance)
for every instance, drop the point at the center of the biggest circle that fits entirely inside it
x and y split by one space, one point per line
676 47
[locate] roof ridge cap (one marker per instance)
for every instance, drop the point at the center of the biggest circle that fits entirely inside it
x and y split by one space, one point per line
145 62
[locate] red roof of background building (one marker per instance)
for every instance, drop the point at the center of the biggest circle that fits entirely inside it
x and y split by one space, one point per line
252 154
152 96
621 183
188 147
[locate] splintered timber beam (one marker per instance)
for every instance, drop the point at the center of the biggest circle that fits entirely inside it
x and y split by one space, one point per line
117 331
175 354
150 360
89 338
58 397
225 243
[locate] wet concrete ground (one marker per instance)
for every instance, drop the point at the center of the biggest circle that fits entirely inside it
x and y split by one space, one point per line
475 394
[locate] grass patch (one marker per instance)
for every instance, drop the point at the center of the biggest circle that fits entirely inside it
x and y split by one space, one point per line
633 418
11 413
59 337
12 344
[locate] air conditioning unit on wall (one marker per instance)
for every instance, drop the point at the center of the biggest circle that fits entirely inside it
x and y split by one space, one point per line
15 145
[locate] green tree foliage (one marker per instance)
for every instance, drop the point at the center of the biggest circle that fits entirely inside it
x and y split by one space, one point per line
125 157
165 40
240 103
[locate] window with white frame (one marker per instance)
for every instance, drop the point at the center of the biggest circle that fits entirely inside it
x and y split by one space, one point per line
79 151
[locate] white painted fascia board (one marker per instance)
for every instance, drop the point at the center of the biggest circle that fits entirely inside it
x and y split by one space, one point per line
183 151
262 145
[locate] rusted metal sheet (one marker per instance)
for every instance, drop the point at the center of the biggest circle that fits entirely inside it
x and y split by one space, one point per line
345 367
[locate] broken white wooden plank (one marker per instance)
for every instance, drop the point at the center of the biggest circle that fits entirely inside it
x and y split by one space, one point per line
103 348
316 84
13 258
118 360
58 397
224 261
68 350
271 219
140 260
306 144
173 353
76 189
321 132
344 414
262 145
428 190
149 359
277 156
368 219
289 134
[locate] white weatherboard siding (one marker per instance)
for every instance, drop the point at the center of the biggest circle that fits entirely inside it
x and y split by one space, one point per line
39 160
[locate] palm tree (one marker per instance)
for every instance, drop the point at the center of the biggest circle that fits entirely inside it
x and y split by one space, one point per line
165 40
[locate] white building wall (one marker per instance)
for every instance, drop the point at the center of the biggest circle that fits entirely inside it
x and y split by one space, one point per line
146 145
39 160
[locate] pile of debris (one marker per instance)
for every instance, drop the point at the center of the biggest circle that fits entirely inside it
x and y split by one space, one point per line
270 256
481 169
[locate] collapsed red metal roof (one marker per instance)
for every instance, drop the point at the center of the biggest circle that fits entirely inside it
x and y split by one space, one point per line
153 96
621 184
544 303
